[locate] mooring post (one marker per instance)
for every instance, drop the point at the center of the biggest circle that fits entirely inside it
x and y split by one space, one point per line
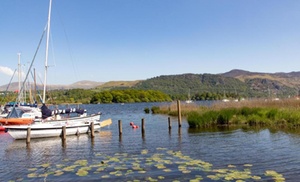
179 113
169 121
143 126
120 127
64 134
28 135
92 130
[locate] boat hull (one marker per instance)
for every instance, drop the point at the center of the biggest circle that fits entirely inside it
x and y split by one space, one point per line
54 128
16 121
2 128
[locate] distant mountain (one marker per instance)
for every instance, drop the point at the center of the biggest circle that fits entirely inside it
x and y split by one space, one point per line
291 79
117 85
85 84
238 82
237 73
80 84
193 83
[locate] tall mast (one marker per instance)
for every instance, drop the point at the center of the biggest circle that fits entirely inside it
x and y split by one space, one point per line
34 90
47 45
19 77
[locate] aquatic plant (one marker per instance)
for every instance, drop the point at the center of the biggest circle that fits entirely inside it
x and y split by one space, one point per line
266 113
155 109
147 110
139 167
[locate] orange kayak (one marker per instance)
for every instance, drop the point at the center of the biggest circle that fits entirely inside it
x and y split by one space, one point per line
16 121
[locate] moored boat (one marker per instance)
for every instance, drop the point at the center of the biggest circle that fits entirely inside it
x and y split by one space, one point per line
16 121
51 124
18 117
43 129
2 128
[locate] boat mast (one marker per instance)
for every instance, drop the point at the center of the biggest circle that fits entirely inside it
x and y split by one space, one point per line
20 95
47 45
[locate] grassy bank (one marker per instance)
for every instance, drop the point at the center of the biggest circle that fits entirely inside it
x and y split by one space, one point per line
267 113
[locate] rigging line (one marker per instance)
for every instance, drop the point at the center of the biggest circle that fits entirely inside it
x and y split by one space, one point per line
36 86
38 91
68 45
21 90
52 48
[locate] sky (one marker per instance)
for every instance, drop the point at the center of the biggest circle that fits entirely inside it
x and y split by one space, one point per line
127 40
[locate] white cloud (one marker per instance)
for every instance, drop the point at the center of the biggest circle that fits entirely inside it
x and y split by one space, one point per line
6 71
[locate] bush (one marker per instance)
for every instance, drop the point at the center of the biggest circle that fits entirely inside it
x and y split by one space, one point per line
226 115
155 109
272 113
253 120
196 119
147 110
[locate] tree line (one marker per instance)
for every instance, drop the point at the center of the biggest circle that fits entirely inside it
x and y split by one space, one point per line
94 97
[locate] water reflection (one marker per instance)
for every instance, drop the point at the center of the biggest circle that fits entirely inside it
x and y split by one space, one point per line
245 128
221 147
225 129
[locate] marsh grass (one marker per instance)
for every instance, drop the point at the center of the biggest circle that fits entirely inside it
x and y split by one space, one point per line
266 113
171 109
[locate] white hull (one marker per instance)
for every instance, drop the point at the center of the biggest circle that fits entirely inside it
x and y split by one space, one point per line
54 128
188 101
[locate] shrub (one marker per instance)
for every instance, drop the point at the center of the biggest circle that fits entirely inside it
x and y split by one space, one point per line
271 114
253 120
155 109
195 119
226 115
147 110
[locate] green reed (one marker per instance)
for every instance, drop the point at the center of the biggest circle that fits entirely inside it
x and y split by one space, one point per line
266 113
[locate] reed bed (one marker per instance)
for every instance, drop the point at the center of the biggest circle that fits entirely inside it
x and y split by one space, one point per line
263 103
171 109
266 113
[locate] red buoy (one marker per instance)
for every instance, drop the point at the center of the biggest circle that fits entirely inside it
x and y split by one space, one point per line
2 128
131 123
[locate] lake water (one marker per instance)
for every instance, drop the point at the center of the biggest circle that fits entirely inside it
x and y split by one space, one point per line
179 154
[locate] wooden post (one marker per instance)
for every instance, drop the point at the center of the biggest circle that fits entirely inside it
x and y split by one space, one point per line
179 113
92 142
28 135
143 126
169 121
64 134
120 127
92 130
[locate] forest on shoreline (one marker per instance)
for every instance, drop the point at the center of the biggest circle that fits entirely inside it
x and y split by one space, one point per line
83 96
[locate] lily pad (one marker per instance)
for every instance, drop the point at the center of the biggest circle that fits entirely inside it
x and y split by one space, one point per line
32 175
82 172
81 162
45 165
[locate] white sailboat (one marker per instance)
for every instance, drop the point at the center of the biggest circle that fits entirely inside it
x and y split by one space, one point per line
189 98
52 127
19 112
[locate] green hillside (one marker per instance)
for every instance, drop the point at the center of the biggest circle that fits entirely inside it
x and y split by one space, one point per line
234 84
176 85
214 86
116 85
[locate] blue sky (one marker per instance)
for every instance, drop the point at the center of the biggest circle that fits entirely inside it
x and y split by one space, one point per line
114 40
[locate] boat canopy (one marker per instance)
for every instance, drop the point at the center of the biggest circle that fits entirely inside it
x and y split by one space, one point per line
46 112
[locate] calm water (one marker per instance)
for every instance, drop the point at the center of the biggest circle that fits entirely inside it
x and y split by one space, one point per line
160 155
